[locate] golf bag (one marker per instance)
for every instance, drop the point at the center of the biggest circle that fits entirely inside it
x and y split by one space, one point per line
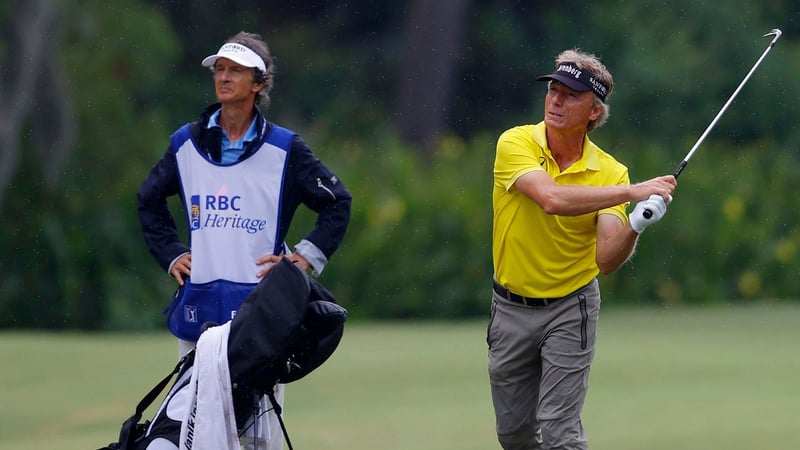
286 328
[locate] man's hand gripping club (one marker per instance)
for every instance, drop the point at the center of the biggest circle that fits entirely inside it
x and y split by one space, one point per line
648 212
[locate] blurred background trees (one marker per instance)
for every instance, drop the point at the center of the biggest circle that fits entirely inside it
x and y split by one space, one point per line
404 101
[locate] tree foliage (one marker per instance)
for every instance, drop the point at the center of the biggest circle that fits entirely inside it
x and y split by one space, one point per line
113 80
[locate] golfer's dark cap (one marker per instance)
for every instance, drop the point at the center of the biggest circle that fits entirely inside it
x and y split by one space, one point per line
577 79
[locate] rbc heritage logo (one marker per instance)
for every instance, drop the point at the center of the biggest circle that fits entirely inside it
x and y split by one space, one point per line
194 222
221 211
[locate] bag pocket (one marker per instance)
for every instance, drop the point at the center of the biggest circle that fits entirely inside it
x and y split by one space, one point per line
194 305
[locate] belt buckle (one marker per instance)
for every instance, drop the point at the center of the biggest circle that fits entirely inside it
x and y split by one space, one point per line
534 302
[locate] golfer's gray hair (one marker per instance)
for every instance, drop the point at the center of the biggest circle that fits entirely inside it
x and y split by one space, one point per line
591 63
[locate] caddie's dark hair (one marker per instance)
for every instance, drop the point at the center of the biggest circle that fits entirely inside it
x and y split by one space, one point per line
257 44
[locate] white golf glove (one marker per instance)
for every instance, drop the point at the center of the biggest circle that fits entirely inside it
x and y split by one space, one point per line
656 207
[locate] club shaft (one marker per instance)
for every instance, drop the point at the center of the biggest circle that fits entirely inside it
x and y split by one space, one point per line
775 32
696 145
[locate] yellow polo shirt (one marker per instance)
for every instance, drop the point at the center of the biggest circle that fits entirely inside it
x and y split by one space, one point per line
537 254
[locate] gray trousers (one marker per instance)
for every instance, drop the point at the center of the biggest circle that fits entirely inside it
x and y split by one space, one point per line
539 358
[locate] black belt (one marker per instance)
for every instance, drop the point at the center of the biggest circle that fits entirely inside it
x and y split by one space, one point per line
527 301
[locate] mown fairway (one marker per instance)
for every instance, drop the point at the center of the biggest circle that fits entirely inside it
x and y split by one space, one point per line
713 378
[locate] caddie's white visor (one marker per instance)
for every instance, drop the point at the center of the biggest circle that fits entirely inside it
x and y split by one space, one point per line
237 53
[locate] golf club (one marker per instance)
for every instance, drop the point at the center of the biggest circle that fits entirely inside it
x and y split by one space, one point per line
775 32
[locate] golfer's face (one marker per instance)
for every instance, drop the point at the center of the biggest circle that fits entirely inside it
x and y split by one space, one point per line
233 82
567 109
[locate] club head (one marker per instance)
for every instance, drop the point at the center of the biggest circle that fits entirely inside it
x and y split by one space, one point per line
775 32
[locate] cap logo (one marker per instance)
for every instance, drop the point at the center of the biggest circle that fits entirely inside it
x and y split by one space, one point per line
598 87
582 76
234 48
238 53
572 70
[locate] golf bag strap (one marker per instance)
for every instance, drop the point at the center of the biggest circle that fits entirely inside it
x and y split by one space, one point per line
131 429
279 413
154 393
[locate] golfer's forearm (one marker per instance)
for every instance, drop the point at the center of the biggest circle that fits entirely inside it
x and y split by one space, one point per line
616 250
574 200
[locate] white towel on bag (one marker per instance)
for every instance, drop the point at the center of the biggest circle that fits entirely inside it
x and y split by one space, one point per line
210 423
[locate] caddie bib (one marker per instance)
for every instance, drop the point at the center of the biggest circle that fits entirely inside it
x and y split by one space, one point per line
232 216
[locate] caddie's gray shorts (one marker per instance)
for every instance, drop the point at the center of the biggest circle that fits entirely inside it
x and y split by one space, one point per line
539 358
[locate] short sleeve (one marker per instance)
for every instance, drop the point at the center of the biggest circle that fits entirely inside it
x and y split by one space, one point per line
517 154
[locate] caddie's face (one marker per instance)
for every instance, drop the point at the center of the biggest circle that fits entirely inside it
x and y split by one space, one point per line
567 109
234 82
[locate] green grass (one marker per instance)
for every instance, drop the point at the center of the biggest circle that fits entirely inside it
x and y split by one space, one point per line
711 378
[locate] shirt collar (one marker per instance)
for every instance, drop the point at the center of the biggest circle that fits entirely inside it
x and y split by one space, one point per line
249 135
213 121
589 159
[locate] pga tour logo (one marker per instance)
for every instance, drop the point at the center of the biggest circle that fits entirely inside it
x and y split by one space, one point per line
190 313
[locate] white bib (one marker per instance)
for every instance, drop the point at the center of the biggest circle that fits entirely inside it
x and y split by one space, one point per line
232 211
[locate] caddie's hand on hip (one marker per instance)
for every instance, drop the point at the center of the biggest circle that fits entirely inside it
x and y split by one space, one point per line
182 268
269 260
266 261
657 207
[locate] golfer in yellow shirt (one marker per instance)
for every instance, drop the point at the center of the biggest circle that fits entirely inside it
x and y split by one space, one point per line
559 220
